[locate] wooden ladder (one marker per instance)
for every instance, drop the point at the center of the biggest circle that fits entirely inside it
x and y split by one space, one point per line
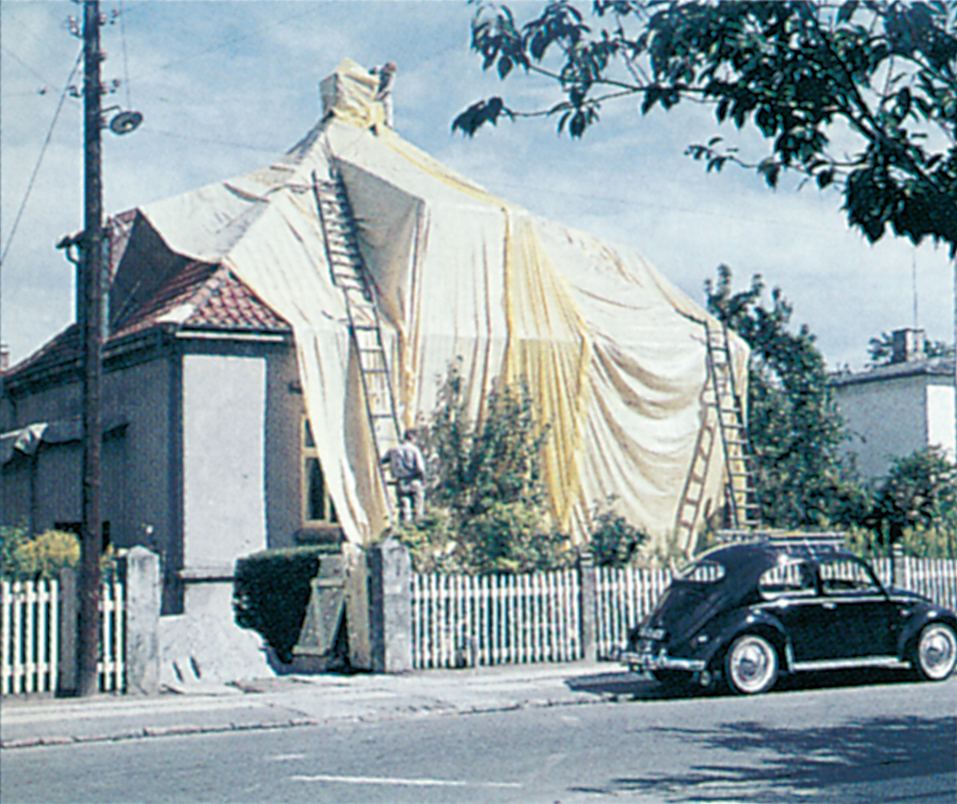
350 274
720 396
740 463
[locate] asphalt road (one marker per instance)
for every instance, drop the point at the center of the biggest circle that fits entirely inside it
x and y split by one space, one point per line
818 741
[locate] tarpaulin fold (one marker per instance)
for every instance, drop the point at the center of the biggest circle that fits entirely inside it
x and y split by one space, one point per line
613 353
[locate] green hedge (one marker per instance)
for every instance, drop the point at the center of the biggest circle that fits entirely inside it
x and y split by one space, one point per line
271 593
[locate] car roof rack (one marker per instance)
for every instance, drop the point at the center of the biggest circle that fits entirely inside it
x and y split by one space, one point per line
794 542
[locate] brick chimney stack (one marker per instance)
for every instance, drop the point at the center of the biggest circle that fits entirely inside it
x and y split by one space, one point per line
908 345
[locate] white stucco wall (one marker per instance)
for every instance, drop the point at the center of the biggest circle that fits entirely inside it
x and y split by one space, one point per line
941 405
894 417
224 401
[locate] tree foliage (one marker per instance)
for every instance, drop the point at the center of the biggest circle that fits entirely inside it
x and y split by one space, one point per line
793 421
804 74
918 493
487 507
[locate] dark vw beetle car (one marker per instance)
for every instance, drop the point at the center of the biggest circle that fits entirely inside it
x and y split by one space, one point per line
750 611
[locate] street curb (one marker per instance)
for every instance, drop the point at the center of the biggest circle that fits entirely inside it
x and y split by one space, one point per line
188 729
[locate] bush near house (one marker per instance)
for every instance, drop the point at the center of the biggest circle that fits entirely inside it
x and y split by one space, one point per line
42 556
272 590
487 509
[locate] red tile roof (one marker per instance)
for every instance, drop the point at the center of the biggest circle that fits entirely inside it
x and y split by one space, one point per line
202 296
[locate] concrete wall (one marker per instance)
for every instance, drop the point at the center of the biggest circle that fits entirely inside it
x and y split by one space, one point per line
224 403
894 417
941 429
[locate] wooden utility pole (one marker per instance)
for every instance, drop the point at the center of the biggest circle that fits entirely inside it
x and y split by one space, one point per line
90 323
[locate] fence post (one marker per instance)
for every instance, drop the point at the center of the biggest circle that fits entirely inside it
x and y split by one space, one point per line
390 607
586 586
66 681
897 565
142 621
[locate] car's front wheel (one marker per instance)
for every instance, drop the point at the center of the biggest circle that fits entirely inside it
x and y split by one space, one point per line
751 665
936 653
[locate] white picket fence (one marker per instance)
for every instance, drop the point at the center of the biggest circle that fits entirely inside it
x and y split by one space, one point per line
623 597
465 621
29 625
29 637
935 578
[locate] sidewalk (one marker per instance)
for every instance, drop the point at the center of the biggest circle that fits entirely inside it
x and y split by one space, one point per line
303 700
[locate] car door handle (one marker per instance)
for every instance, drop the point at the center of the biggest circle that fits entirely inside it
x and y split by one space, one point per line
829 606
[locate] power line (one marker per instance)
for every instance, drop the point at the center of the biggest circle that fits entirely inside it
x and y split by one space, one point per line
15 57
126 61
43 150
234 40
268 149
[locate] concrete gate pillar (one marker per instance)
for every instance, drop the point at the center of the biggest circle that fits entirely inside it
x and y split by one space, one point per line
143 592
390 607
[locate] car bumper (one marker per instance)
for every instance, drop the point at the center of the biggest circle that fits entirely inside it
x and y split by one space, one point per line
660 661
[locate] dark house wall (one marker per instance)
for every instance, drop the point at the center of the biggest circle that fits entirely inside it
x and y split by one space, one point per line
139 495
143 495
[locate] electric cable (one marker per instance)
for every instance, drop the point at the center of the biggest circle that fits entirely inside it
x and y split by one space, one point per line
16 58
43 150
126 61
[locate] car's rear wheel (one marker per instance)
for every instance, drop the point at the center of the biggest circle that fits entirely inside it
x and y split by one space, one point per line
751 665
936 653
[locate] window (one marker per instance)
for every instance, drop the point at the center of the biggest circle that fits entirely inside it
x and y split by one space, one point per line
794 578
846 577
703 572
317 507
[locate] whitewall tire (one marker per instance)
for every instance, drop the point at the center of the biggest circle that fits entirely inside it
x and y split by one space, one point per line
936 653
751 665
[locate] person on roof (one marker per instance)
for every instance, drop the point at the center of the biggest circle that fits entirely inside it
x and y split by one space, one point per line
386 75
408 469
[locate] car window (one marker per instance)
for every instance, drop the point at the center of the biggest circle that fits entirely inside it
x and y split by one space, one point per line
846 577
703 572
794 579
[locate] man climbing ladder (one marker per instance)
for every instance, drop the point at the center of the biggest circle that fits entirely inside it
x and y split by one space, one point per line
408 470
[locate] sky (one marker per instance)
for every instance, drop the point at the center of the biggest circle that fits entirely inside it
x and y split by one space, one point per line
224 87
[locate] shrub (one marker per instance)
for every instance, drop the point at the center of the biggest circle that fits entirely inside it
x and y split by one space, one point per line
487 507
272 590
42 556
614 541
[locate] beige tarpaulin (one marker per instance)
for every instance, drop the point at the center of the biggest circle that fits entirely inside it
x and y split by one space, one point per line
611 350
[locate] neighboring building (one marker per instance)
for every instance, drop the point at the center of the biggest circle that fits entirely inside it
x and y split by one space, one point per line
898 408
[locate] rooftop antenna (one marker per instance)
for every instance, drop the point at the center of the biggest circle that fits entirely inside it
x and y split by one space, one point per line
913 279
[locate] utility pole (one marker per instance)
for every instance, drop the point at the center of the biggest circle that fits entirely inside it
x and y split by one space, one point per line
90 323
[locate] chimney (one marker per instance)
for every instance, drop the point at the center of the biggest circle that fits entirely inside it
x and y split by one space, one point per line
4 357
908 345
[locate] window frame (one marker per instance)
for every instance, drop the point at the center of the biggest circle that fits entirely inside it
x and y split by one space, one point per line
309 452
